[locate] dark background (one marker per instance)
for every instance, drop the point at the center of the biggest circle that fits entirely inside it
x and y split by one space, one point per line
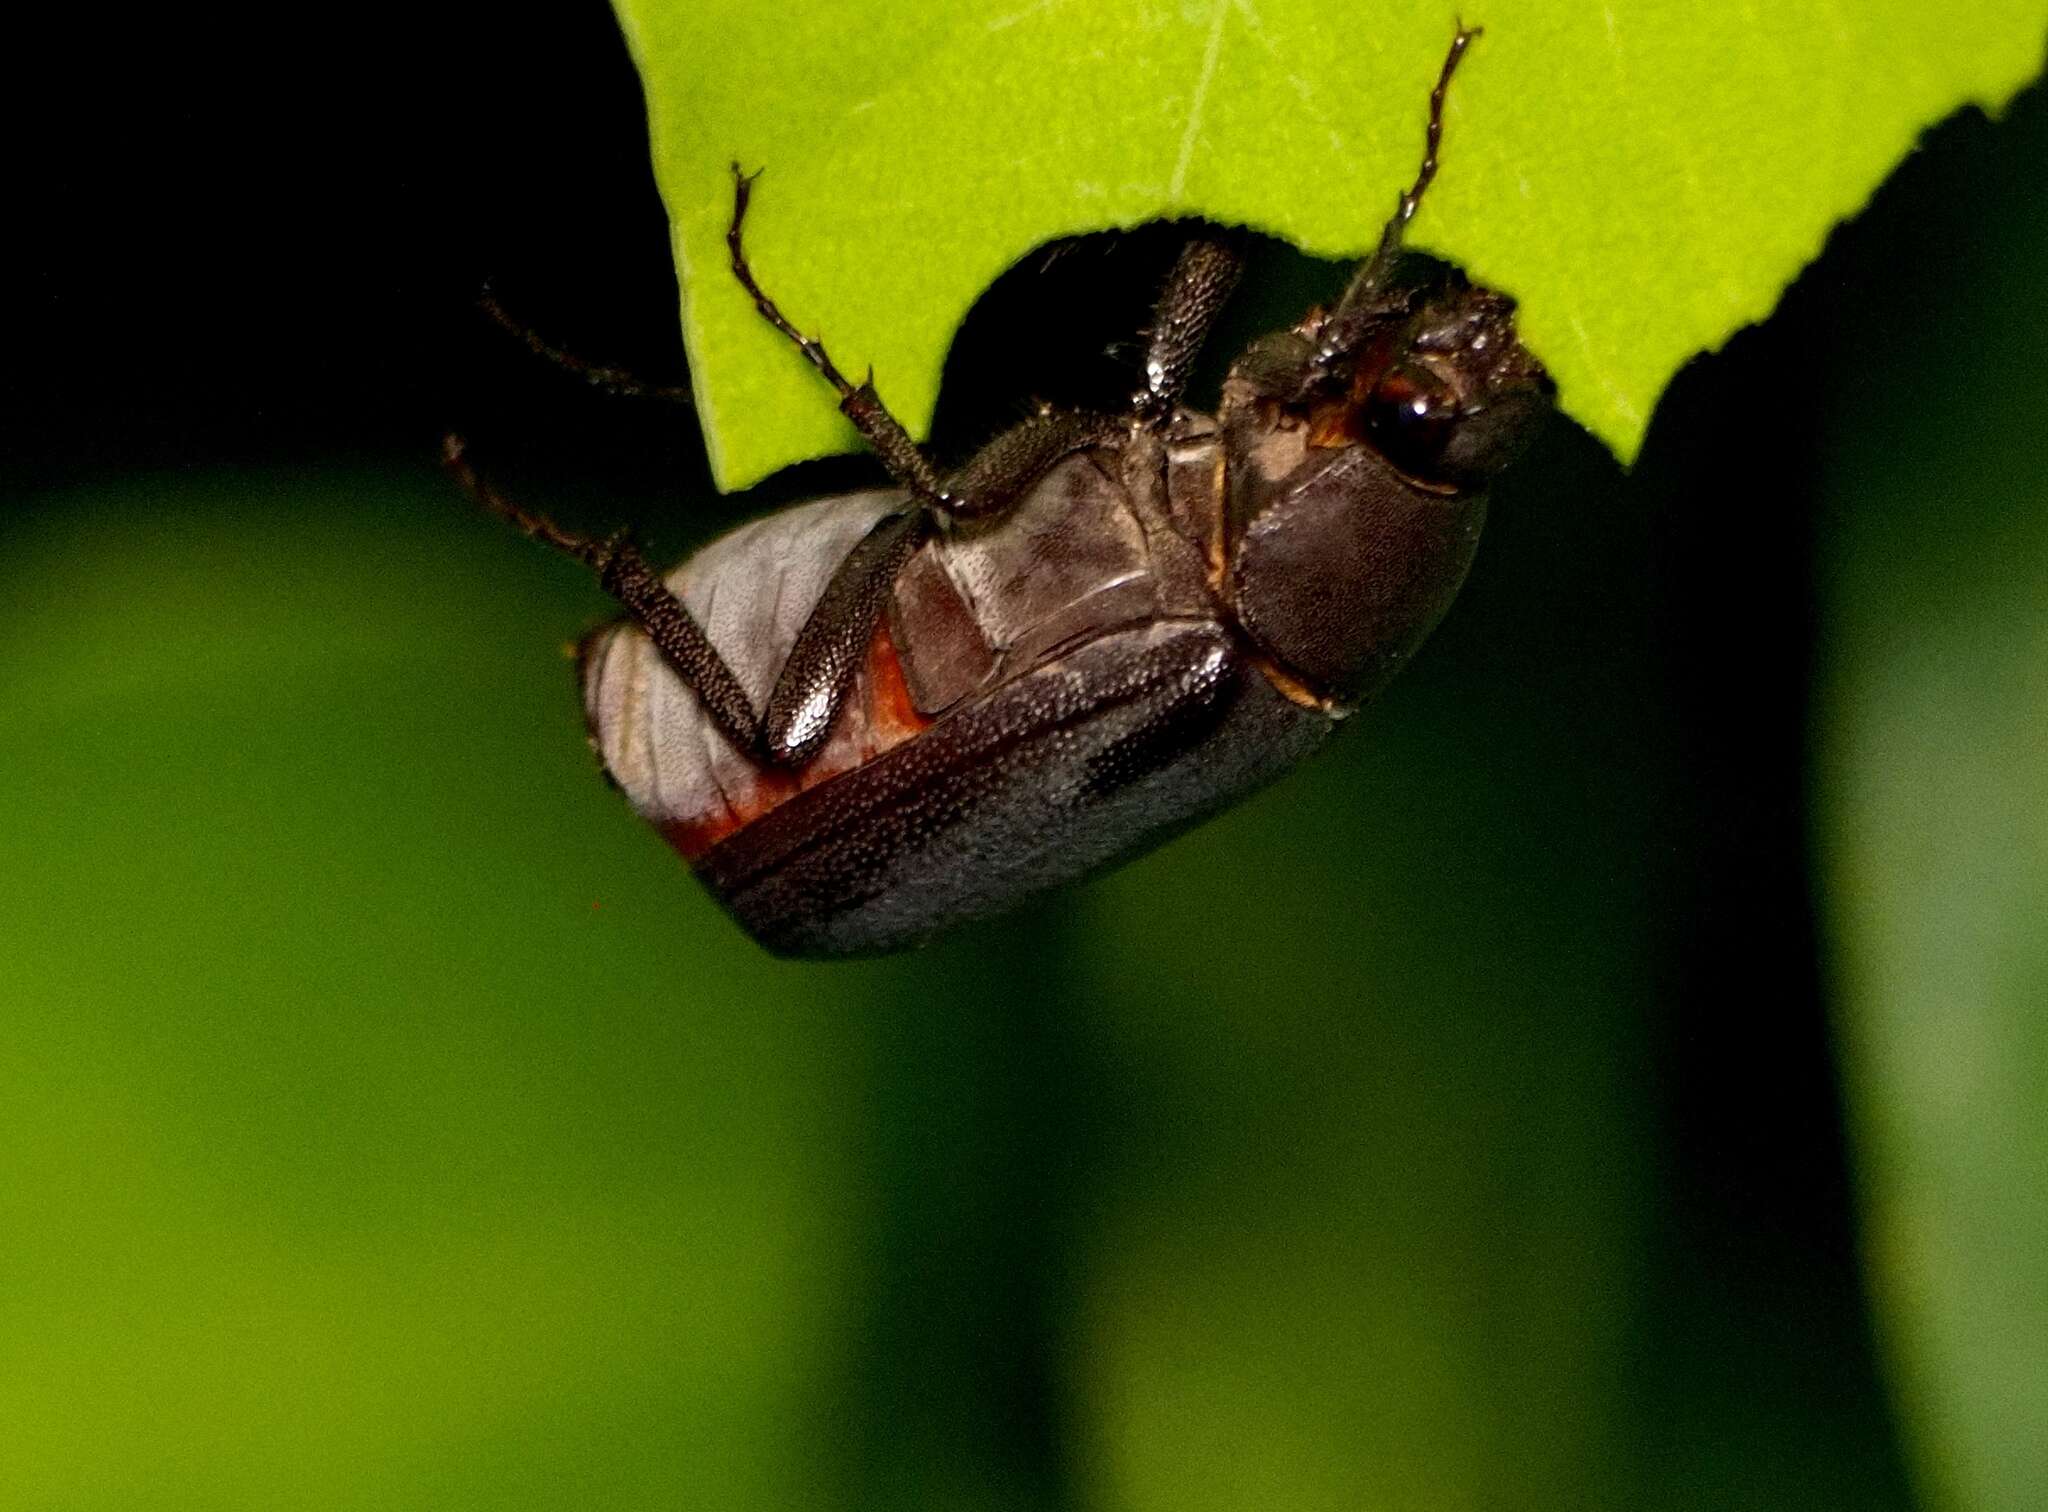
244 316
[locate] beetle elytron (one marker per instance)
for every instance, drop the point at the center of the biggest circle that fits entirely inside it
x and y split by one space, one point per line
972 686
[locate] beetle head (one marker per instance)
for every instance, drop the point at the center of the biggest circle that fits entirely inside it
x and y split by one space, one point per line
1360 446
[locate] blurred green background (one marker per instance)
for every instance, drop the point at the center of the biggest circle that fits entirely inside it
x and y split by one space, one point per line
388 1120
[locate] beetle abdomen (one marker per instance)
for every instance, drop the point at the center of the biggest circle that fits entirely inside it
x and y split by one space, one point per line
1047 696
751 590
1090 758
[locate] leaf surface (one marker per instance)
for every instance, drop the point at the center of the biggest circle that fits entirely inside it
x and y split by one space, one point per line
1645 176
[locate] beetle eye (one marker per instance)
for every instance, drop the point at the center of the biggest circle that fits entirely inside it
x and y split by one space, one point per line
1410 415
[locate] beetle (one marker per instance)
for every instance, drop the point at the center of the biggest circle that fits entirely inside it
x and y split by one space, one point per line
870 717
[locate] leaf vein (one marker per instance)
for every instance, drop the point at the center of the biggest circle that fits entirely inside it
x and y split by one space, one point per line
1211 51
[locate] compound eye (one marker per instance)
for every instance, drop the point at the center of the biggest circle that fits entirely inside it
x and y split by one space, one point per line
1411 414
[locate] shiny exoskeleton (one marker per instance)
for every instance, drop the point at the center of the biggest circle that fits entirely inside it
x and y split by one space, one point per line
873 716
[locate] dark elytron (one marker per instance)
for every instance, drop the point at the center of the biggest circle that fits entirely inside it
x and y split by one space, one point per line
876 715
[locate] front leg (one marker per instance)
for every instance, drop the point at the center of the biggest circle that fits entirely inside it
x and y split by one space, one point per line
1201 283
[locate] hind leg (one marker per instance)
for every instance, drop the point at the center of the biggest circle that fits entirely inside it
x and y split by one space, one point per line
625 575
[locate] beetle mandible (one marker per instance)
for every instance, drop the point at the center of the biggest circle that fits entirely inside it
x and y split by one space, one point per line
1104 627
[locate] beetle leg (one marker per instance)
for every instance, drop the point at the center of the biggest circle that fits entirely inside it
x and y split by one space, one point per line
1196 291
858 402
1373 272
998 475
611 380
625 575
813 683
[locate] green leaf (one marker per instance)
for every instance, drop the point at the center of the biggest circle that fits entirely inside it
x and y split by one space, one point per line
1645 176
1933 793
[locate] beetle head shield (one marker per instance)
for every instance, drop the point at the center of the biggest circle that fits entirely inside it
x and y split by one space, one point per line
1360 446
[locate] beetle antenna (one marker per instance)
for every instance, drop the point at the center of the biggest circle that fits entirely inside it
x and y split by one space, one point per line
1374 271
455 457
611 380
